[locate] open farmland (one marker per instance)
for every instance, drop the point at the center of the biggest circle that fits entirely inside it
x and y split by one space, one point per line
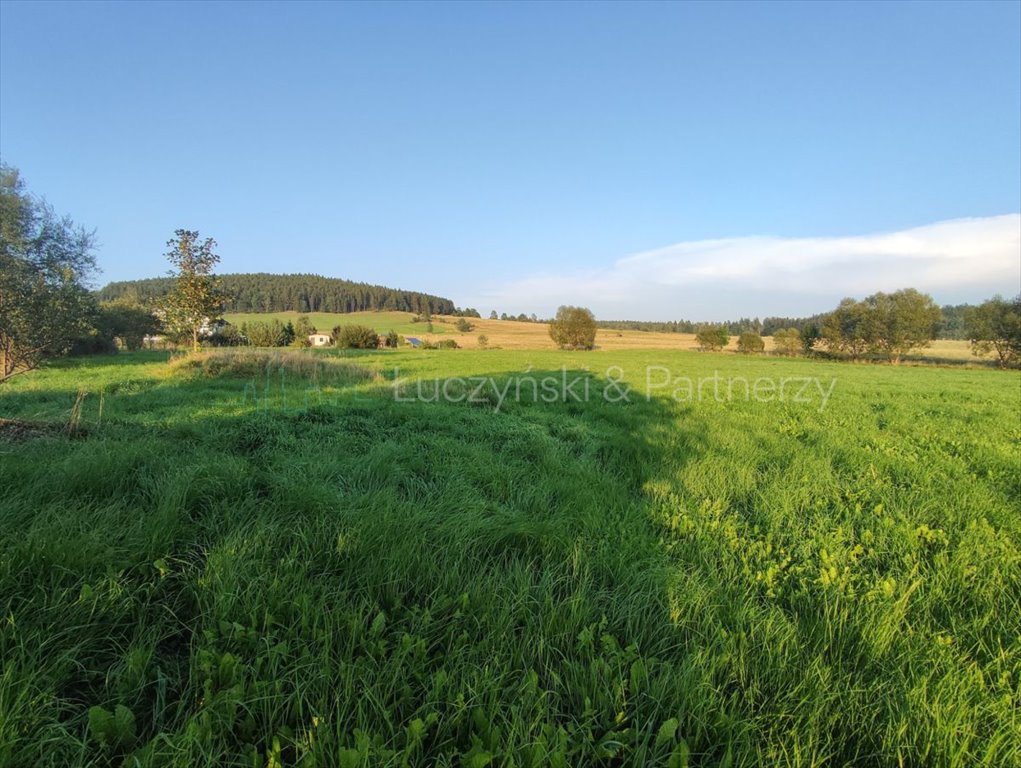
512 334
265 559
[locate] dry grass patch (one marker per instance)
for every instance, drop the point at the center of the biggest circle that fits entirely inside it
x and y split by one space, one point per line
250 363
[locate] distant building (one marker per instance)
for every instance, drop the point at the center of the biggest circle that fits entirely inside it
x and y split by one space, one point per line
319 339
415 342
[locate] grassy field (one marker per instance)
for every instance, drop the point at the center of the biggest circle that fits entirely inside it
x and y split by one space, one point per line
295 559
511 334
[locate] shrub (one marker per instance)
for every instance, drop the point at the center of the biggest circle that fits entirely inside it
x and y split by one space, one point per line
226 335
750 342
447 344
355 337
463 325
269 334
483 341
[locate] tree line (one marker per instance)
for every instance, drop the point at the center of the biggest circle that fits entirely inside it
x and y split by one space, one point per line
885 325
46 309
262 292
951 324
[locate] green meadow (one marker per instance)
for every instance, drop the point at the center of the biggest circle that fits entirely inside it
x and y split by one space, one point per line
268 559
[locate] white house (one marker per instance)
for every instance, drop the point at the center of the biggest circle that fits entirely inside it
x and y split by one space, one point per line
319 339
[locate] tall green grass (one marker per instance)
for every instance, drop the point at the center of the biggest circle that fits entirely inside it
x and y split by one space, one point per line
272 562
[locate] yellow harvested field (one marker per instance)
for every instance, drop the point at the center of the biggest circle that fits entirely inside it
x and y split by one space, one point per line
512 334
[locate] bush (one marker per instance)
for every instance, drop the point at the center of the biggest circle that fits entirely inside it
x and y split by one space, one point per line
750 342
271 334
93 344
483 341
392 340
355 337
463 325
712 338
447 344
125 321
227 335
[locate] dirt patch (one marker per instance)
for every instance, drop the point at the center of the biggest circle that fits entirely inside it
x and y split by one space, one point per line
19 430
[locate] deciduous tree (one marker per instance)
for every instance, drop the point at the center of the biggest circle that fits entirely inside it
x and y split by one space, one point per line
900 322
45 261
750 342
573 328
787 341
846 329
196 299
127 321
712 338
995 326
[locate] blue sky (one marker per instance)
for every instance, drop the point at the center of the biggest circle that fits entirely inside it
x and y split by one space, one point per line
652 161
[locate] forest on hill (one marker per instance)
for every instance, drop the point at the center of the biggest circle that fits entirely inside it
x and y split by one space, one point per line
262 292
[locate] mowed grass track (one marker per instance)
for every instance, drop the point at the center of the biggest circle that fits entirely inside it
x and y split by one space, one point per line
284 565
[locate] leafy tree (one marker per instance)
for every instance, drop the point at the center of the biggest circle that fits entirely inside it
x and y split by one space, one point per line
483 341
573 328
45 261
750 342
899 322
303 328
890 323
712 338
787 341
463 325
196 299
995 326
127 321
847 329
953 323
355 337
492 315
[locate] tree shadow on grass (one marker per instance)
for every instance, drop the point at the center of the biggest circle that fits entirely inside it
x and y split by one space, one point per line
351 573
355 560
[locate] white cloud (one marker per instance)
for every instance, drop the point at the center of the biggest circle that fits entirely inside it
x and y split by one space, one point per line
955 260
